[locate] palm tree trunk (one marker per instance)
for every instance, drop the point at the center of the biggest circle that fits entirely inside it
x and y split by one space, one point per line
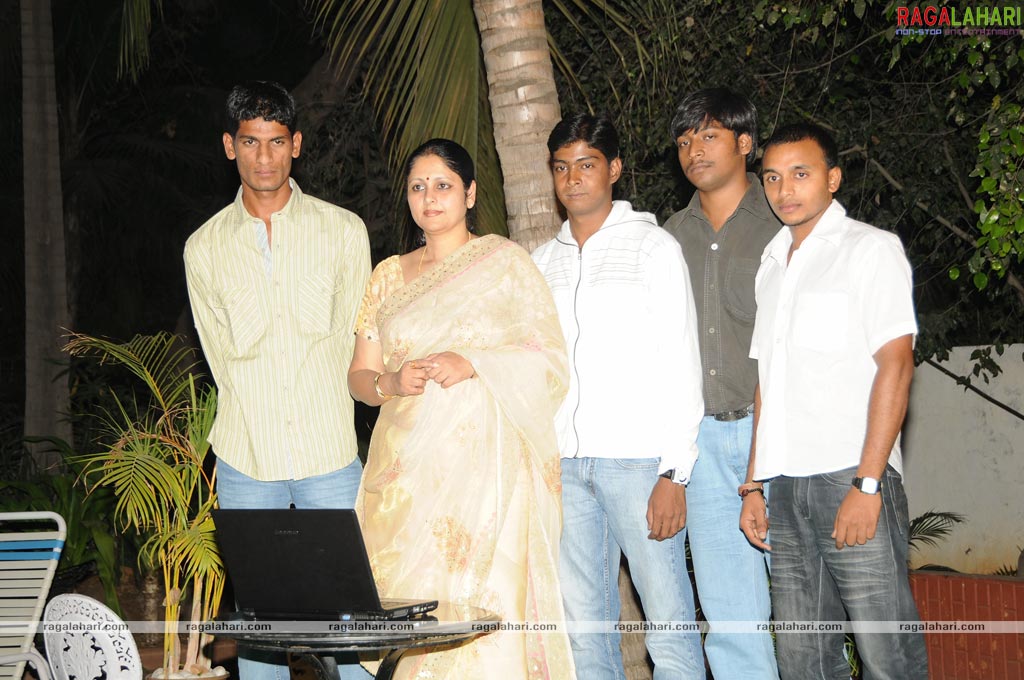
524 106
46 300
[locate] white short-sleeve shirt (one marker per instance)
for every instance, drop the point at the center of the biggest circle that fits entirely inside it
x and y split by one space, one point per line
845 293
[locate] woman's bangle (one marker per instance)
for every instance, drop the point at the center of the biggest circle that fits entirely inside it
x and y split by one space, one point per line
749 488
376 387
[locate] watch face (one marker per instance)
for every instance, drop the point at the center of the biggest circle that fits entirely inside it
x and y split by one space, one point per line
867 484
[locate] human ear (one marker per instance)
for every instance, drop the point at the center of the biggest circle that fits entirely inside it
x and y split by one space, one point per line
615 170
835 178
229 146
471 195
296 144
744 143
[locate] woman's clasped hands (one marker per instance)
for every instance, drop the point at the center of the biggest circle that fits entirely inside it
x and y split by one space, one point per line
444 368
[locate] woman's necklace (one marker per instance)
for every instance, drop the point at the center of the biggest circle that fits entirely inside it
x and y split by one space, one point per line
419 267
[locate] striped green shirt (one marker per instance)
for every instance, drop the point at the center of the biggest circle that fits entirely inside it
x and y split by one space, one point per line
279 344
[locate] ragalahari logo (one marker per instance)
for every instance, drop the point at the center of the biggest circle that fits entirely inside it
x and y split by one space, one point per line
935 20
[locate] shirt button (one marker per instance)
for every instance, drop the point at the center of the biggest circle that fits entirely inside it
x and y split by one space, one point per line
714 246
711 330
713 372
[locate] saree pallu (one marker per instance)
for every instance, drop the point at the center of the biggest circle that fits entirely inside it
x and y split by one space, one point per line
461 496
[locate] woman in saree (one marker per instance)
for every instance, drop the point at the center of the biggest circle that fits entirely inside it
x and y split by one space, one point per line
458 341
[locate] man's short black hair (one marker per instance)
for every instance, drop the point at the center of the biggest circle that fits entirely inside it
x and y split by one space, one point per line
260 99
596 131
719 105
798 132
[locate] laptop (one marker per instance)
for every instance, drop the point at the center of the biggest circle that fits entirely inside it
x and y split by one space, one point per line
303 565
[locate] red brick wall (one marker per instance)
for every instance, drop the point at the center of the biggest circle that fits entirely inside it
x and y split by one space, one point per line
943 596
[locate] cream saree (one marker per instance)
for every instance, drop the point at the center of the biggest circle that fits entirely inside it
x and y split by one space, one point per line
460 497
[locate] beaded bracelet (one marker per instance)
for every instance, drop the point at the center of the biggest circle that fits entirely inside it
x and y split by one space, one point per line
749 488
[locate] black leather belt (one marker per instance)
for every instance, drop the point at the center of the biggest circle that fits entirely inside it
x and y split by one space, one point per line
738 414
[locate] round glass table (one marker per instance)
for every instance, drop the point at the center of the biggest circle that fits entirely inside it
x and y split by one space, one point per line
447 625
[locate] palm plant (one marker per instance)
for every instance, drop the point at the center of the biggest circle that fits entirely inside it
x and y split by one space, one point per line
420 66
154 462
930 527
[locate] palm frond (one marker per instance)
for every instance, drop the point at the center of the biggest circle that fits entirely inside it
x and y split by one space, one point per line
929 527
616 26
161 362
136 22
153 462
423 72
194 549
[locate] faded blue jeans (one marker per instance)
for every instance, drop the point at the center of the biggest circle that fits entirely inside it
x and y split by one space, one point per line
604 515
813 581
732 579
335 490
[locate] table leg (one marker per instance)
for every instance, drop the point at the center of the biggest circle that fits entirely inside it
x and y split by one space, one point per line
325 667
389 663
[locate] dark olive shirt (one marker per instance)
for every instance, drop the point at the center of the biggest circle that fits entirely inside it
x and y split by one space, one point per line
722 266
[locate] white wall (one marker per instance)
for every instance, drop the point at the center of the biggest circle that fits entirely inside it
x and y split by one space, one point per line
963 454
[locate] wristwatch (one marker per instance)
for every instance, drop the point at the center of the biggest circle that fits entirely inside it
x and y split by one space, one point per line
670 475
868 485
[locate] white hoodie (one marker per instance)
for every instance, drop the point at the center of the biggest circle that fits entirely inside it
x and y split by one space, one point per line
626 308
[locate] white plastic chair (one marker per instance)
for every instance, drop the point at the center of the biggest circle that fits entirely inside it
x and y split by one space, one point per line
29 553
99 646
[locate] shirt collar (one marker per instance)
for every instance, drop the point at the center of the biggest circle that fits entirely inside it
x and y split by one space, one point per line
830 227
620 209
294 201
753 201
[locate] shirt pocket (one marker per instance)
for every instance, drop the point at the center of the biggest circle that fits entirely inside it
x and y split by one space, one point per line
245 321
738 296
820 321
316 304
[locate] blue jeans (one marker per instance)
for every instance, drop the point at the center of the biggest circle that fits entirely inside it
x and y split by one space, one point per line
332 490
732 581
604 514
813 581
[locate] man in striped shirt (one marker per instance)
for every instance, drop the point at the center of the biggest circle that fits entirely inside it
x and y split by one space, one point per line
275 280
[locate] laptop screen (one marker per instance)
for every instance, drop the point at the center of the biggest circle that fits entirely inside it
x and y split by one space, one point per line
296 563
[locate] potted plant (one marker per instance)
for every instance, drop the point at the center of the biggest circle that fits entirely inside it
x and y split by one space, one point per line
153 459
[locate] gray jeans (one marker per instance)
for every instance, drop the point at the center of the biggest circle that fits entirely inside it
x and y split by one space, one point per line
813 581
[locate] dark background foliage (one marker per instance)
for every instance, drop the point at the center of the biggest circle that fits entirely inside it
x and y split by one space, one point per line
143 164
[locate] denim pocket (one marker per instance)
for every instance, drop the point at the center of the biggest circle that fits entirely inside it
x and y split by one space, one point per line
842 477
896 500
638 463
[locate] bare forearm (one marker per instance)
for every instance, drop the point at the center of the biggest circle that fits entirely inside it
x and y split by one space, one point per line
890 393
360 384
753 436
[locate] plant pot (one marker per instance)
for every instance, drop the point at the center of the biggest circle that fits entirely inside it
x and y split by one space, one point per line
223 652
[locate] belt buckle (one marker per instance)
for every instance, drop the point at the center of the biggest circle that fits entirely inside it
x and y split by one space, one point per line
729 416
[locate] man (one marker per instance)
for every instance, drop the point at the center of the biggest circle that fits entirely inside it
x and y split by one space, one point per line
833 340
722 232
628 427
274 280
